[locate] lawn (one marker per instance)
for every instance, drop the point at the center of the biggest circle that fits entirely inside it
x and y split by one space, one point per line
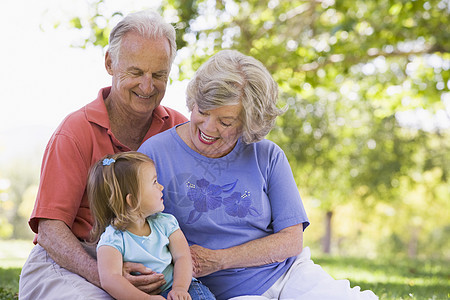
393 278
388 278
12 256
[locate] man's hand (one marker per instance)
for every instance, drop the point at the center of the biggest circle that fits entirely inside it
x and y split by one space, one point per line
147 281
204 261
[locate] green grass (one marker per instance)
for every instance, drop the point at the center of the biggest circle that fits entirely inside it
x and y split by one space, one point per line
393 278
9 283
399 279
13 255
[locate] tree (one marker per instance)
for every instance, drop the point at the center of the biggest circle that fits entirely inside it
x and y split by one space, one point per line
352 73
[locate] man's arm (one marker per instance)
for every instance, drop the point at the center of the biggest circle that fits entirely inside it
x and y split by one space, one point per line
66 250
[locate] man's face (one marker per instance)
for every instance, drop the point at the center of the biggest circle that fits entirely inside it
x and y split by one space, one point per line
139 74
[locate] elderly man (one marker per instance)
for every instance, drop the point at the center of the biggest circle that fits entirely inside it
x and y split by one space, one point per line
61 265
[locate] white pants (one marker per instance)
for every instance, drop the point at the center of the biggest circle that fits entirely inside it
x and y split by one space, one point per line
306 280
42 278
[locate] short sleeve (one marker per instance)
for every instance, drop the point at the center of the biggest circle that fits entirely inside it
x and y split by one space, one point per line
287 206
112 237
64 173
166 223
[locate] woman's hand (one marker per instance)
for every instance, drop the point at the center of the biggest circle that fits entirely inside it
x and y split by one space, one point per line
204 261
148 281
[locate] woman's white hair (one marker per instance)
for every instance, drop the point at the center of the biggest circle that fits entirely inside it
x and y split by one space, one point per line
147 23
229 78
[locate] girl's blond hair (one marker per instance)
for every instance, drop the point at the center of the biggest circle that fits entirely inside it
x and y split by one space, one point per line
110 180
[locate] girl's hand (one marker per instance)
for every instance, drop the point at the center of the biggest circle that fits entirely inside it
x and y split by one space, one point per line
178 294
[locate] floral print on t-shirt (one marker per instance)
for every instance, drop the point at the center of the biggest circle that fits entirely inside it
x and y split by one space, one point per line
207 196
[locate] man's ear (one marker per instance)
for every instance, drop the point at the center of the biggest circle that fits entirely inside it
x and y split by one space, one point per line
108 63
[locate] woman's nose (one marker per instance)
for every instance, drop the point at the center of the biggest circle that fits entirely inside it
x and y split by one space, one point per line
209 125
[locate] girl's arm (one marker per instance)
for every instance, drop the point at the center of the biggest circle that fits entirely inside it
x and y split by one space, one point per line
273 248
109 261
182 272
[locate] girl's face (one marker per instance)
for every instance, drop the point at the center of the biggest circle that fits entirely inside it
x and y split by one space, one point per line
214 133
150 191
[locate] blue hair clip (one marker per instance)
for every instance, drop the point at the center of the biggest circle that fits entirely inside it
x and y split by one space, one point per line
108 161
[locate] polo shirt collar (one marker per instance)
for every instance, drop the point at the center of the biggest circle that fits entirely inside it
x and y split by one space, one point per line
96 110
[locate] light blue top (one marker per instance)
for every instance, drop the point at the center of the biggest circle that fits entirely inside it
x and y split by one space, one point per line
151 251
223 202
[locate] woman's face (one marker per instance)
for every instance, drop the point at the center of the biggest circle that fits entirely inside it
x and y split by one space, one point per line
214 133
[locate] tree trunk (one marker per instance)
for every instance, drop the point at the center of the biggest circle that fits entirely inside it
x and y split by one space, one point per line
326 241
413 241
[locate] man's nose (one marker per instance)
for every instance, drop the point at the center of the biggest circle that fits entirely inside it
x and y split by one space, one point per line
146 85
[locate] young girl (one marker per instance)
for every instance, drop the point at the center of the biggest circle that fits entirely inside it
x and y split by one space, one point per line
126 203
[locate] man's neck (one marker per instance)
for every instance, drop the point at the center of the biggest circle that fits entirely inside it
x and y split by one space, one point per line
130 130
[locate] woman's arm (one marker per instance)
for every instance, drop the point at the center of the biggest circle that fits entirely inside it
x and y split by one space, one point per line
109 261
276 247
182 272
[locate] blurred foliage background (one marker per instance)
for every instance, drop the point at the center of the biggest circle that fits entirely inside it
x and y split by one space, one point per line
367 130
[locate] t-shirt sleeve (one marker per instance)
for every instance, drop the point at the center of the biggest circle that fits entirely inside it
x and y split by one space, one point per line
167 222
286 203
112 237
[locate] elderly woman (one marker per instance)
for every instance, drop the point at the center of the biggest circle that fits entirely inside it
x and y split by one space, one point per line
233 192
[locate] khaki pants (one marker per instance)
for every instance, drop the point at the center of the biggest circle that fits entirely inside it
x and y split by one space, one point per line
42 278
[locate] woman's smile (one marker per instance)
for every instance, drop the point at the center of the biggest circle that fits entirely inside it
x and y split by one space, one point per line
206 139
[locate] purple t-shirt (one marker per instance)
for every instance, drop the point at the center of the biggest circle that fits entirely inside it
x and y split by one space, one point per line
223 202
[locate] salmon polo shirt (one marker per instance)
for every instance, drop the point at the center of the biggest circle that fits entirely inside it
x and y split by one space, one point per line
82 138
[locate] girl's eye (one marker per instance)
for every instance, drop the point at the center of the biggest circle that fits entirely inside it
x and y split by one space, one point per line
225 124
